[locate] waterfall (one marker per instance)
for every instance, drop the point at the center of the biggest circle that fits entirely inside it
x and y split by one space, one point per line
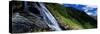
49 18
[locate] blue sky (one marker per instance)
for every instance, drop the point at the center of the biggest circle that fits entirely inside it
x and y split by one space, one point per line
89 9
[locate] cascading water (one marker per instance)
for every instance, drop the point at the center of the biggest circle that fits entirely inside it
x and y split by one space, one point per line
47 16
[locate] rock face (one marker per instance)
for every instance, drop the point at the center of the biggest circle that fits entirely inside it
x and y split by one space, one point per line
26 20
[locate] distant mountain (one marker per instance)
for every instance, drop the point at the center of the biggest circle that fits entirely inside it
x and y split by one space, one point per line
89 9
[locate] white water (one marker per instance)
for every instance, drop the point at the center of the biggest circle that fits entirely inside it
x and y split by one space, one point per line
53 24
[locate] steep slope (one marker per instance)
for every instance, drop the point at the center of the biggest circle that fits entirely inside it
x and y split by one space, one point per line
71 18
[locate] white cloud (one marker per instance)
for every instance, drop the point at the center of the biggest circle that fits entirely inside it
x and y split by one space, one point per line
92 6
89 13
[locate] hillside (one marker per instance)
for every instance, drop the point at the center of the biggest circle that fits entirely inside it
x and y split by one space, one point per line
71 18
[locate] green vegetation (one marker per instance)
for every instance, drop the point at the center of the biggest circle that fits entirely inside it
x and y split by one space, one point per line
71 17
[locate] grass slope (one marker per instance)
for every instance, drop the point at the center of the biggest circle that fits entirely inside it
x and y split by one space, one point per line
70 17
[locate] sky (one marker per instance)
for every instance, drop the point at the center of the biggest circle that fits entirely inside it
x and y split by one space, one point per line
89 9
